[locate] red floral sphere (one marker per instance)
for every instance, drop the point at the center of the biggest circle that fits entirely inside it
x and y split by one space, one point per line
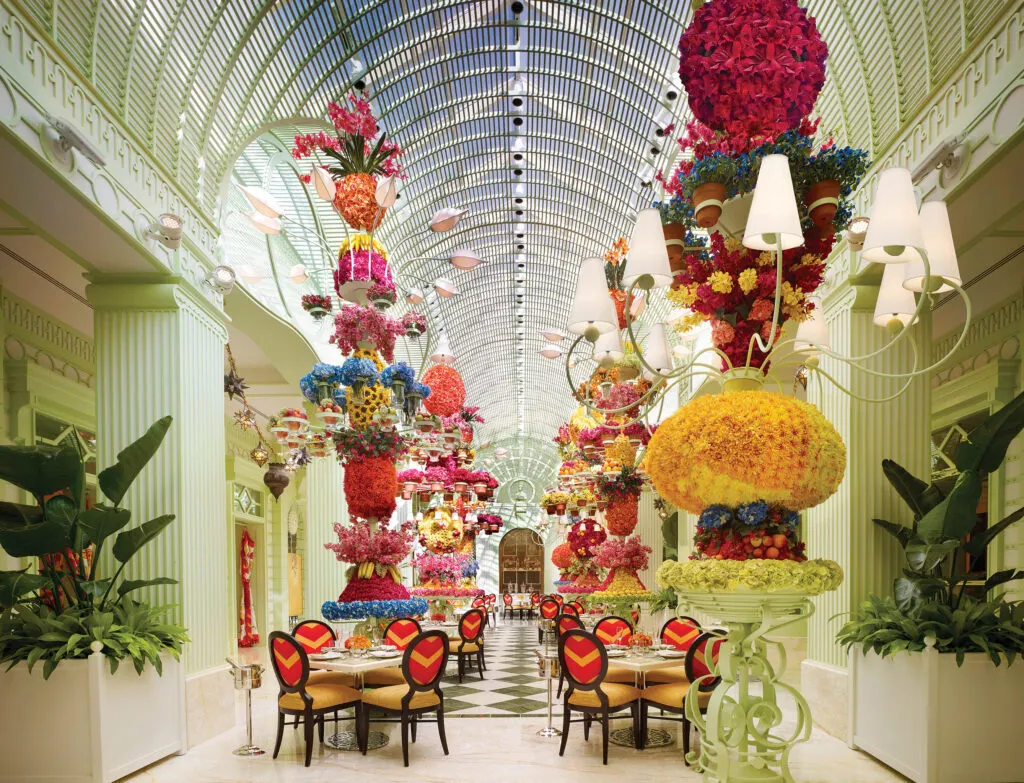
621 516
447 391
585 536
752 67
561 556
370 487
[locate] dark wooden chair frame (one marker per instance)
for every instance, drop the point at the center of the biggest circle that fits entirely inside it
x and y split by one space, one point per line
407 716
307 715
705 638
603 712
463 657
334 637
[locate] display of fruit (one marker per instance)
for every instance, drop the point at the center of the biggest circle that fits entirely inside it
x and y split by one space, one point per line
357 642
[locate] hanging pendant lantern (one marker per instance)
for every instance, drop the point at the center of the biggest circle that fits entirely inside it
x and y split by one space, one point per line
276 479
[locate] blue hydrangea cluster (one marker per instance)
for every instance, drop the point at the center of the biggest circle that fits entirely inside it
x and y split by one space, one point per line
752 514
321 375
399 371
714 517
418 388
340 399
355 369
360 610
791 520
472 568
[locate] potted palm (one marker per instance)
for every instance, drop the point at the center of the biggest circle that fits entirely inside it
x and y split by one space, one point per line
932 697
66 630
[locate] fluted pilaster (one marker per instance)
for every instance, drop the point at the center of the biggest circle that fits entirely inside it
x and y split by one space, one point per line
160 351
323 575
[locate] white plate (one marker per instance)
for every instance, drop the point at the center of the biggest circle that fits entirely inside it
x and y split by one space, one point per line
329 656
672 653
385 654
616 653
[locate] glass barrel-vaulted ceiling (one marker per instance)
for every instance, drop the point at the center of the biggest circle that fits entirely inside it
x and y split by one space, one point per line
217 89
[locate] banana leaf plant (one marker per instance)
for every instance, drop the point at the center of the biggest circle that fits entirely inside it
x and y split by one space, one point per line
65 538
938 548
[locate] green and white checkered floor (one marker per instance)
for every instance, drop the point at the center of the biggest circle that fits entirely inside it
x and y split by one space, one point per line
512 683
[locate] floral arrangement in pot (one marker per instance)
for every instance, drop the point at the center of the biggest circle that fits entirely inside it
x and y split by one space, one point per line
440 531
369 456
375 554
622 492
410 478
362 264
584 575
358 160
489 523
381 296
321 382
585 536
441 570
746 484
398 377
447 390
555 501
614 269
414 323
317 305
366 328
623 557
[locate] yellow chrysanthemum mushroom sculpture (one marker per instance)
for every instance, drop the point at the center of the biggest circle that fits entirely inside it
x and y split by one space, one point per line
747 462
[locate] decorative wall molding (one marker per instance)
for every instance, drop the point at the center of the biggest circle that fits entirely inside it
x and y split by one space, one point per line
34 335
995 334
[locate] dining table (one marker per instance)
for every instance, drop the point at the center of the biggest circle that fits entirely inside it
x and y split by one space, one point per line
641 664
357 666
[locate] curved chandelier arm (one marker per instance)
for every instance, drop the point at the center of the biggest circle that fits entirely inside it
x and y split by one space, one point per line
776 312
889 398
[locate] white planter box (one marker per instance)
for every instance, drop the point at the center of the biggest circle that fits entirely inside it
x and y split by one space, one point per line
938 723
84 725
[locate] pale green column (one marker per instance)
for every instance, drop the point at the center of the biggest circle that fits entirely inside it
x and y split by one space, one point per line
323 576
648 527
160 351
840 528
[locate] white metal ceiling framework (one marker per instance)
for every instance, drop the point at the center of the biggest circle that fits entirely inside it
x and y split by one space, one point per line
577 88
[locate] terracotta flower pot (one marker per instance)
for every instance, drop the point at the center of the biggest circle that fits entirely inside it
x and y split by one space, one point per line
822 200
480 488
409 486
436 486
675 241
461 486
705 210
552 508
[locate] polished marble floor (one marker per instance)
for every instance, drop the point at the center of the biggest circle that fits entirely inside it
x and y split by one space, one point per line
492 735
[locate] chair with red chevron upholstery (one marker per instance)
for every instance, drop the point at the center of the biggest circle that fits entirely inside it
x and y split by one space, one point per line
680 633
422 667
468 646
549 609
613 629
316 636
701 673
506 599
398 634
570 608
565 622
584 661
307 701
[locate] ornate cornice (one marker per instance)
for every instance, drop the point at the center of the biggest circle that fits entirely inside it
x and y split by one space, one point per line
34 335
994 335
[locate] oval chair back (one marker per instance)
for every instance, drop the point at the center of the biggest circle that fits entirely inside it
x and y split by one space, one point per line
490 599
584 660
613 630
634 613
558 597
471 626
314 635
570 609
401 632
549 608
680 632
702 660
290 663
507 599
478 603
534 599
424 662
567 622
577 606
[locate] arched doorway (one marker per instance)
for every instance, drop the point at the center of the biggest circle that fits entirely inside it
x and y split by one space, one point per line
521 562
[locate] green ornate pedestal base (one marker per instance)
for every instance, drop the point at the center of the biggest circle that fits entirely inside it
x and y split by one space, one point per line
740 737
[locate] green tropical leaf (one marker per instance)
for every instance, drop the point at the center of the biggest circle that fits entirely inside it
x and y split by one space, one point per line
923 557
61 509
1002 577
131 541
43 538
978 544
15 584
129 585
17 515
116 479
985 448
957 514
921 497
899 532
100 522
40 470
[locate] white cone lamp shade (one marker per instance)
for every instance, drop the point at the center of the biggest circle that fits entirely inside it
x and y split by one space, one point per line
465 259
648 254
592 307
608 348
262 201
324 182
773 213
415 296
551 351
553 335
445 288
387 193
443 353
812 334
445 219
894 301
894 231
938 244
656 352
268 225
